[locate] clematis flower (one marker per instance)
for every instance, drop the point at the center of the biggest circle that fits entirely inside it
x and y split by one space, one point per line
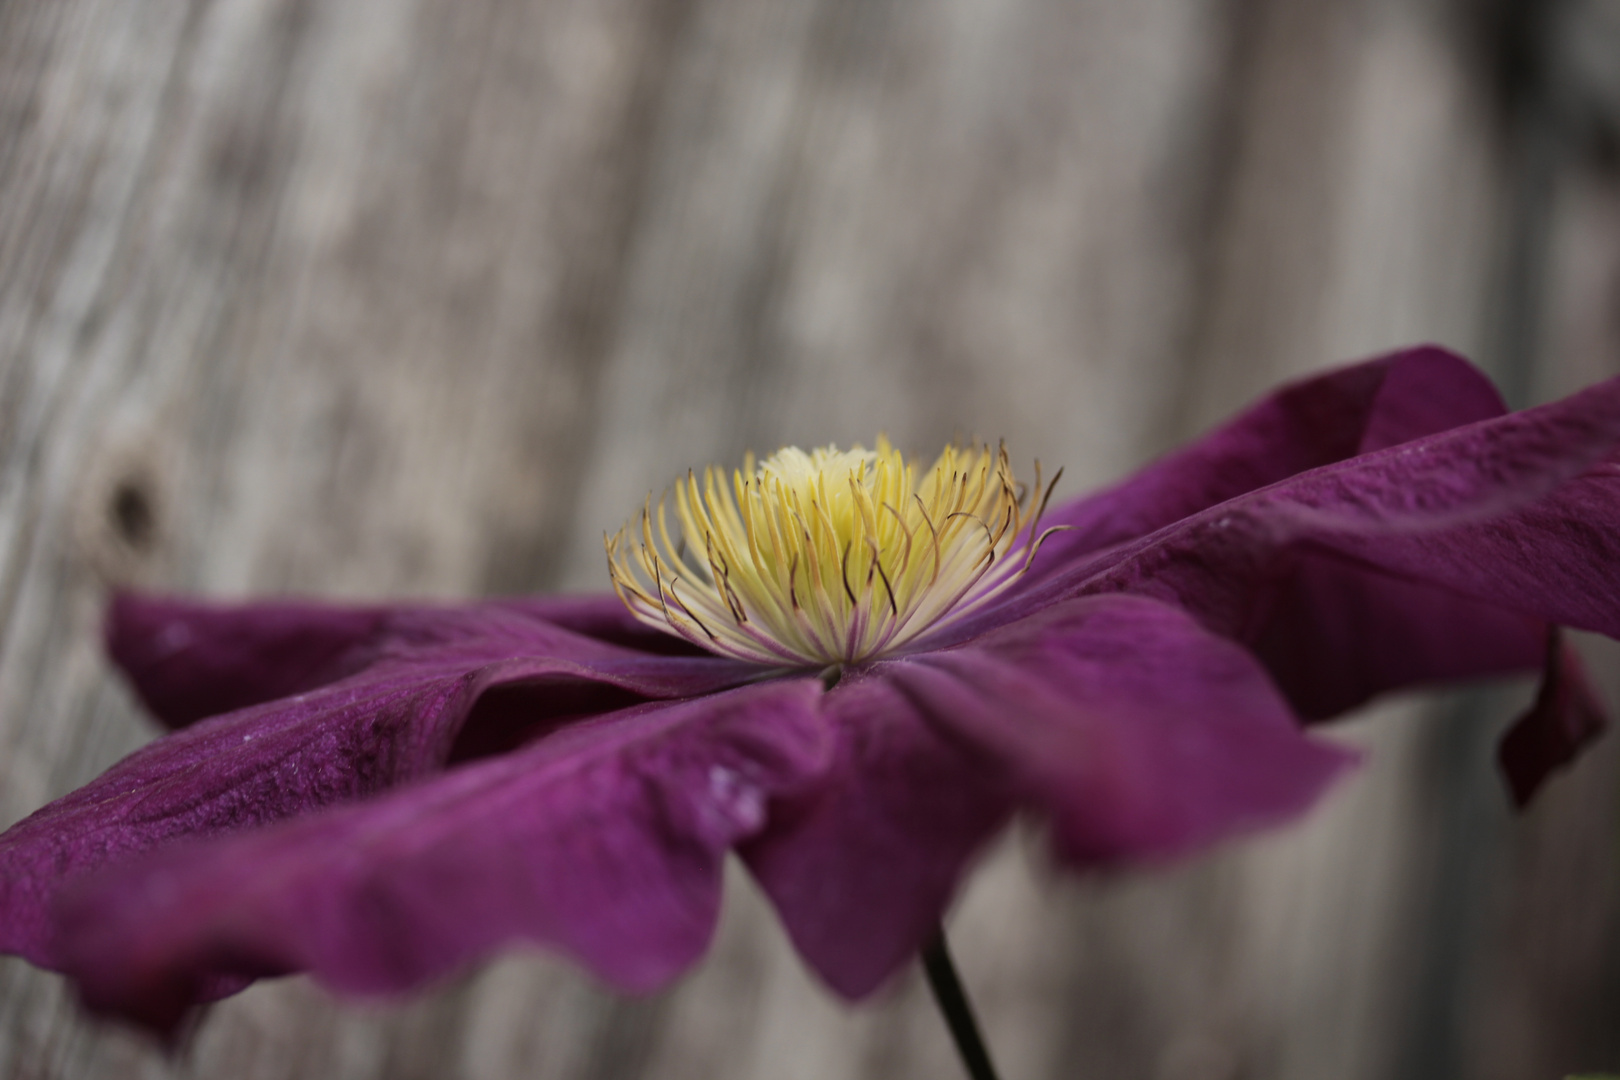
849 669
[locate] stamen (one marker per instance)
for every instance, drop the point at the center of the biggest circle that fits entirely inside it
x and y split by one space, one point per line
690 614
845 566
894 608
814 514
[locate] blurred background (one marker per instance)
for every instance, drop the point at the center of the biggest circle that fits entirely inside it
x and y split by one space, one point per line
366 298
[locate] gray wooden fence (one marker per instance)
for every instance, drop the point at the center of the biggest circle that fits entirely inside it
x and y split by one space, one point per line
362 298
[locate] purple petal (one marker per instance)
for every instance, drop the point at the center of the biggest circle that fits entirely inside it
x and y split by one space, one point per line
1338 634
1139 734
1554 558
442 685
1521 512
1332 632
188 659
605 840
1566 717
1314 422
861 867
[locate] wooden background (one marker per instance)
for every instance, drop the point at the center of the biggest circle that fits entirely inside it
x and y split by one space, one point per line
366 298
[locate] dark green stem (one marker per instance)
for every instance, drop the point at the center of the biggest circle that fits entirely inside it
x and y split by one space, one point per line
954 1006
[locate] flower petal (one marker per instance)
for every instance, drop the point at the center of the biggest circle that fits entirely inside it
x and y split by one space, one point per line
1521 512
1139 734
861 866
441 685
1565 717
1518 516
1307 424
605 840
1338 633
1553 558
189 659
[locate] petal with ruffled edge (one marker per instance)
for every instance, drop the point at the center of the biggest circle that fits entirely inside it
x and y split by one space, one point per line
605 840
1564 718
189 659
1141 734
1522 512
1137 733
1518 516
860 867
1334 633
438 685
1316 421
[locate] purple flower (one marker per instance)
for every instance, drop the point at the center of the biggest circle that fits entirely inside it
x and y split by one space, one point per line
868 676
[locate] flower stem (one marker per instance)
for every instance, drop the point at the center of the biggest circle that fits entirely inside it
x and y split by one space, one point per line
955 1007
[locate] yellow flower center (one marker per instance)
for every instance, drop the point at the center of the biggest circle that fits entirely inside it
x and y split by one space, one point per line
831 556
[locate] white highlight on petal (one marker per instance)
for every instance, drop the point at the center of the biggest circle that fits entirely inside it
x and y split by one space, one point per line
742 803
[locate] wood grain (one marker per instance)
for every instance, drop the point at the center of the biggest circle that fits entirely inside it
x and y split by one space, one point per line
418 298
